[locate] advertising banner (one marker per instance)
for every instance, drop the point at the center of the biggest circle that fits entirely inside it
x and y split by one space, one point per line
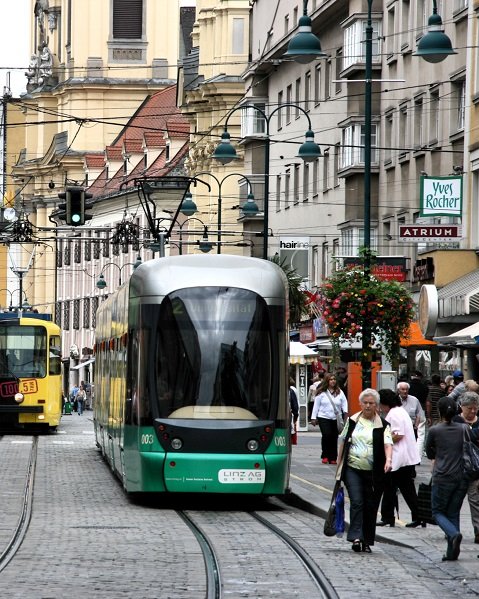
295 251
441 196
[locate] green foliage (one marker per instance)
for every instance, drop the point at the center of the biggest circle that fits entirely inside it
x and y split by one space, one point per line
297 298
350 299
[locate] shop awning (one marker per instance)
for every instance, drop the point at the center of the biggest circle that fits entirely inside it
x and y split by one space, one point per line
301 354
324 344
415 338
467 336
83 364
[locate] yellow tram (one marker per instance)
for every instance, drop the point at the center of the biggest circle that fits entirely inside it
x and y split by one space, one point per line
30 372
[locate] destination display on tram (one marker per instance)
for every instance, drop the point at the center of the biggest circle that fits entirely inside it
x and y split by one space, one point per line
25 386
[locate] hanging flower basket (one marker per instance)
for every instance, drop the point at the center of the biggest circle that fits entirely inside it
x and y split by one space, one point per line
349 299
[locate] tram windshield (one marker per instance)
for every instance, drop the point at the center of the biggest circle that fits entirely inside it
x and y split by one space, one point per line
214 354
23 352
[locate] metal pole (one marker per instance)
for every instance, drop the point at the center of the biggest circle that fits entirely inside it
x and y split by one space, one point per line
366 356
220 203
266 197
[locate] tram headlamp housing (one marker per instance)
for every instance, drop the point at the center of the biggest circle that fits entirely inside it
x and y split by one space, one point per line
176 444
252 445
19 397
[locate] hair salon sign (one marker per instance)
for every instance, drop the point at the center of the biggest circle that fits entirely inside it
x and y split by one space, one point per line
441 196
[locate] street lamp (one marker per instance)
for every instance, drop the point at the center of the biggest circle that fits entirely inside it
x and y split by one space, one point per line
433 47
304 45
250 207
204 244
101 283
225 153
21 304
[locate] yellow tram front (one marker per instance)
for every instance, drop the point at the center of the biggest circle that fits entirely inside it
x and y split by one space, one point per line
30 372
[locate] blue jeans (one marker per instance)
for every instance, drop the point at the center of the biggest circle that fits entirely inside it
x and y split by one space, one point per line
446 503
364 501
80 407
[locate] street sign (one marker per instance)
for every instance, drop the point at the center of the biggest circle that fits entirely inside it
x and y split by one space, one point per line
429 233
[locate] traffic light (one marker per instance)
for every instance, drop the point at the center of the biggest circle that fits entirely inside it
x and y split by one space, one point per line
75 200
72 211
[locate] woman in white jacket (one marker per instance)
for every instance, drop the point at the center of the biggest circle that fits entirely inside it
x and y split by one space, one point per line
329 403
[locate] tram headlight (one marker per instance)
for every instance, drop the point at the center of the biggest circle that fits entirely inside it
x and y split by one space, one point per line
19 397
176 443
252 445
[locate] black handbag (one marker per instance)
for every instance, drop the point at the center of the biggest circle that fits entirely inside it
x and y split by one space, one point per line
424 508
470 457
329 528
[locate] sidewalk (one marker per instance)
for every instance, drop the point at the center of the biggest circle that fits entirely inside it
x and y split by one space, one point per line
312 483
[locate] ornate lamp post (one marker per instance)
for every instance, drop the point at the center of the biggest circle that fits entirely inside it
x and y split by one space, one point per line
101 283
225 153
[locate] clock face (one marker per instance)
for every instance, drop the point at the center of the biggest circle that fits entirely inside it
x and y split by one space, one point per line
9 214
428 310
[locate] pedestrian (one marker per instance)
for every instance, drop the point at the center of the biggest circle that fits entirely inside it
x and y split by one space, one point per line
436 391
413 407
405 457
365 456
87 388
470 405
328 403
73 397
81 398
312 392
444 445
459 386
294 405
418 388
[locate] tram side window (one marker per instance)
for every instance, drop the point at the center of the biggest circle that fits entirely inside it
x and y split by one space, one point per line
55 356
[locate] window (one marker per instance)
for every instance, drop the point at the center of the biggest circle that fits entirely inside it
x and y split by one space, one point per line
88 250
66 316
353 238
315 179
354 47
337 154
286 24
305 182
296 184
434 116
353 145
252 120
94 308
459 91
297 98
391 33
286 189
403 132
76 314
96 246
127 19
421 17
295 16
280 112
317 84
86 313
460 4
289 98
388 136
418 124
68 254
339 67
106 248
307 90
405 27
77 251
238 36
60 253
327 78
278 193
326 170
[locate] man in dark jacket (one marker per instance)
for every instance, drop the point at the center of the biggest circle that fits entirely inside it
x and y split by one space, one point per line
418 388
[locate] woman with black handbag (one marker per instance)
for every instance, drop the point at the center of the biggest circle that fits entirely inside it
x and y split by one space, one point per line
445 445
365 449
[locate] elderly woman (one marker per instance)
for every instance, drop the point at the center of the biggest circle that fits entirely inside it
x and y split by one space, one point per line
365 453
470 405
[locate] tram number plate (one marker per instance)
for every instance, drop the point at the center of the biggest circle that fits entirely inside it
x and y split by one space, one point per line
25 386
233 476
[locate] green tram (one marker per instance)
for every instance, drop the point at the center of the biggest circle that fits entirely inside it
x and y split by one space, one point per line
191 377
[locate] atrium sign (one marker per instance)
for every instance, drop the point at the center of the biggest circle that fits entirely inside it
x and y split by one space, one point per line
430 233
441 196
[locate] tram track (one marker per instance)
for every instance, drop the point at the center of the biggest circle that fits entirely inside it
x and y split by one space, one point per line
23 522
231 558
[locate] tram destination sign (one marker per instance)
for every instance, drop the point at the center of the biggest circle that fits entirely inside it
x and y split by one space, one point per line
419 233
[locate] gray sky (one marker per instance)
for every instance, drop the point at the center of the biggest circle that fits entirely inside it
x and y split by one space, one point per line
14 43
